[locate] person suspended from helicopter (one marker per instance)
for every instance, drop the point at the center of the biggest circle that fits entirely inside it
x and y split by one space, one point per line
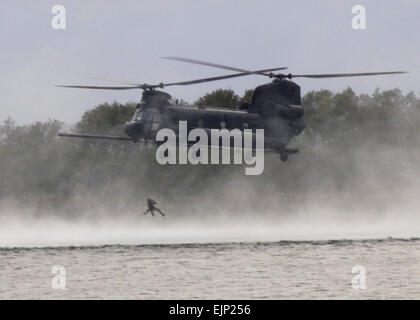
152 208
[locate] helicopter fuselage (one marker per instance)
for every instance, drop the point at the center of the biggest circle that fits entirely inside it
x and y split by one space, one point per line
275 107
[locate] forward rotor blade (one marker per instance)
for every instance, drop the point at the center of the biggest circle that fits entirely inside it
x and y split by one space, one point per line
180 83
228 76
341 75
91 136
100 87
220 66
117 81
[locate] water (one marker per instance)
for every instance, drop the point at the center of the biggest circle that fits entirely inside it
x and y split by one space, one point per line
234 270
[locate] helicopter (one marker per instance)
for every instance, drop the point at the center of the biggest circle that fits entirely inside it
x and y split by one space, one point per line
275 107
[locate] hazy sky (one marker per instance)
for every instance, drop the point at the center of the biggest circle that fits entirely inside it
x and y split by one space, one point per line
125 40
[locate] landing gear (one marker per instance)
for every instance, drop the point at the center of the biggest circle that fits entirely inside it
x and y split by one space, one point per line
284 156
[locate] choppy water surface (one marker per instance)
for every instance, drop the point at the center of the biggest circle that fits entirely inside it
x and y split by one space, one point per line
254 270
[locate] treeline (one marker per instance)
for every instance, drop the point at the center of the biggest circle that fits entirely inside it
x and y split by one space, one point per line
349 139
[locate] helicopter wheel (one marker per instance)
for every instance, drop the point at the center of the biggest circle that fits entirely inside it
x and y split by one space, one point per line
284 156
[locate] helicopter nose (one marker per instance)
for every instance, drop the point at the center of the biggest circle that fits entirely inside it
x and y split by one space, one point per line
133 129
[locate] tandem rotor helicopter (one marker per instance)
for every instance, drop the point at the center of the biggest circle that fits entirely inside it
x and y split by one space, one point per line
275 107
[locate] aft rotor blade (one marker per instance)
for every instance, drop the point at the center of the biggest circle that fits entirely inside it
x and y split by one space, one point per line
341 75
220 66
228 76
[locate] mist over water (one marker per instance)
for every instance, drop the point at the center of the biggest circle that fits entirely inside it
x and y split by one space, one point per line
49 232
381 202
247 212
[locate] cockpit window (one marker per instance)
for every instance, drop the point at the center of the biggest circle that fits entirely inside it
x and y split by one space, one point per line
148 116
139 115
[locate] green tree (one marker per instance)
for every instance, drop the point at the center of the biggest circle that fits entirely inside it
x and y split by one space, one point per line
106 118
220 98
247 97
344 131
6 129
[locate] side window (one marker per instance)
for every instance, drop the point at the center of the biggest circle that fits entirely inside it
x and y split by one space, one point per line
148 116
156 118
